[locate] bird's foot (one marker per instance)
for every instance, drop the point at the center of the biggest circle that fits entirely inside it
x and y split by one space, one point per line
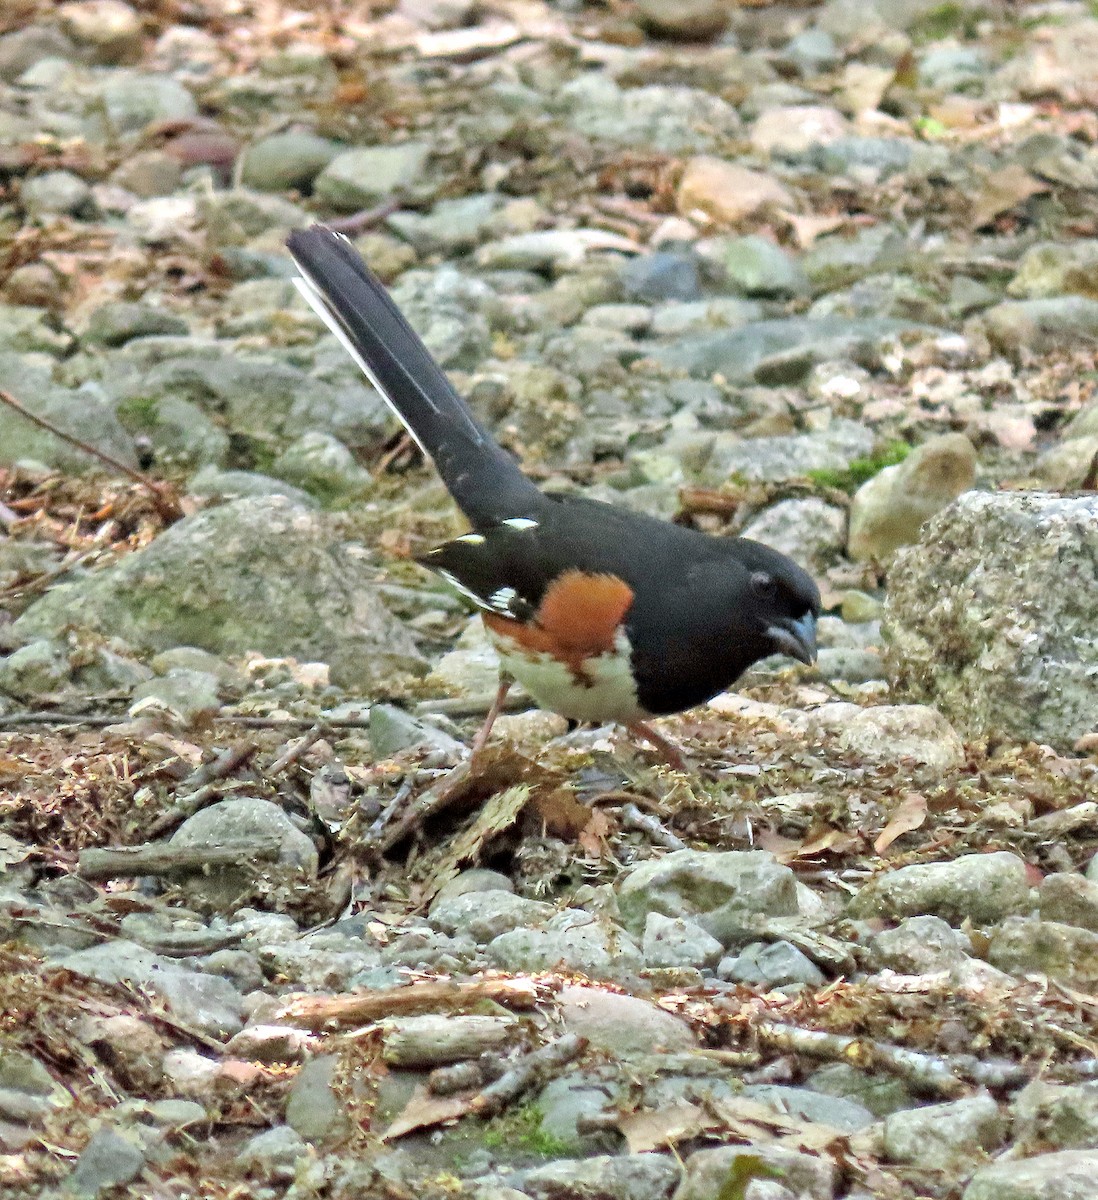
667 749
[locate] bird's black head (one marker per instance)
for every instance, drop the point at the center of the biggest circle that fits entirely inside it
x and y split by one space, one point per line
784 600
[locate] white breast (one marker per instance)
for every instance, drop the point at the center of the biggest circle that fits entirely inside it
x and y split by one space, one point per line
607 694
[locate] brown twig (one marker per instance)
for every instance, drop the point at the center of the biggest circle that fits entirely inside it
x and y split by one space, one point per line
292 753
365 218
163 495
527 1072
324 1012
127 862
633 818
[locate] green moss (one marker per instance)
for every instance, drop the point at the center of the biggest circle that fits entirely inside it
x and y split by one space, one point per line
861 469
138 413
947 20
520 1128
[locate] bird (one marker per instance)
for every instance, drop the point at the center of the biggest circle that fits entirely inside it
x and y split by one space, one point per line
603 614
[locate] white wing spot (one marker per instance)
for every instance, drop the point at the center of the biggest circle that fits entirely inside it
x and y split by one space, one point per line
456 583
520 523
470 539
501 599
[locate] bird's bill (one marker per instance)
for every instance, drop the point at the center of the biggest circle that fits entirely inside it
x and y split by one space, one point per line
797 638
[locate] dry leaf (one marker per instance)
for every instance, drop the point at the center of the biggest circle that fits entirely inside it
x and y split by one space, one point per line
500 812
424 1109
594 835
653 1129
1002 192
558 814
910 814
806 229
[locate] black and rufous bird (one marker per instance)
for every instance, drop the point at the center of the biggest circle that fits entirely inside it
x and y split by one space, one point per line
601 613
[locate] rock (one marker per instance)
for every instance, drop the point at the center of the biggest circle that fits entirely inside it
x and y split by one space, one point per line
1066 467
313 1110
205 1002
1018 327
708 1171
572 941
22 47
292 159
235 217
755 266
788 132
877 1094
983 888
274 1152
148 173
656 118
129 101
452 226
121 321
847 1116
689 883
85 413
255 574
1059 61
943 1135
838 261
864 157
1066 1175
392 730
662 276
1027 946
39 669
473 880
188 696
108 30
998 649
883 733
1052 269
604 1177
769 966
250 819
110 1160
621 1026
790 456
484 915
811 531
689 20
1070 899
324 467
787 349
368 175
544 250
56 193
677 942
211 483
1061 1116
920 946
811 52
889 510
725 192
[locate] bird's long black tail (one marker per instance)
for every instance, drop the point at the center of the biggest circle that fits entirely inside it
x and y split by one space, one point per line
482 477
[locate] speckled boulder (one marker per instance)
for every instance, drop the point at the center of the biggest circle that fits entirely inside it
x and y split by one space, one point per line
990 616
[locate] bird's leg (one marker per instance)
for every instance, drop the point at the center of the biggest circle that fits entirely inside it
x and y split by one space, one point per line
481 740
669 752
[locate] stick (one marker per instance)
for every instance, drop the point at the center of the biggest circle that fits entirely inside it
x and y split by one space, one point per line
433 1039
294 752
925 1072
321 1012
529 1071
163 495
633 818
159 858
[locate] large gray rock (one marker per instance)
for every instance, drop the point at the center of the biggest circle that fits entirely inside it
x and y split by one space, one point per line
692 883
369 174
889 510
991 615
84 413
669 120
256 574
1066 1175
709 1171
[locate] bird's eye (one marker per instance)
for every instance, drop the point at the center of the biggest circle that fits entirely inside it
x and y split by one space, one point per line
763 584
